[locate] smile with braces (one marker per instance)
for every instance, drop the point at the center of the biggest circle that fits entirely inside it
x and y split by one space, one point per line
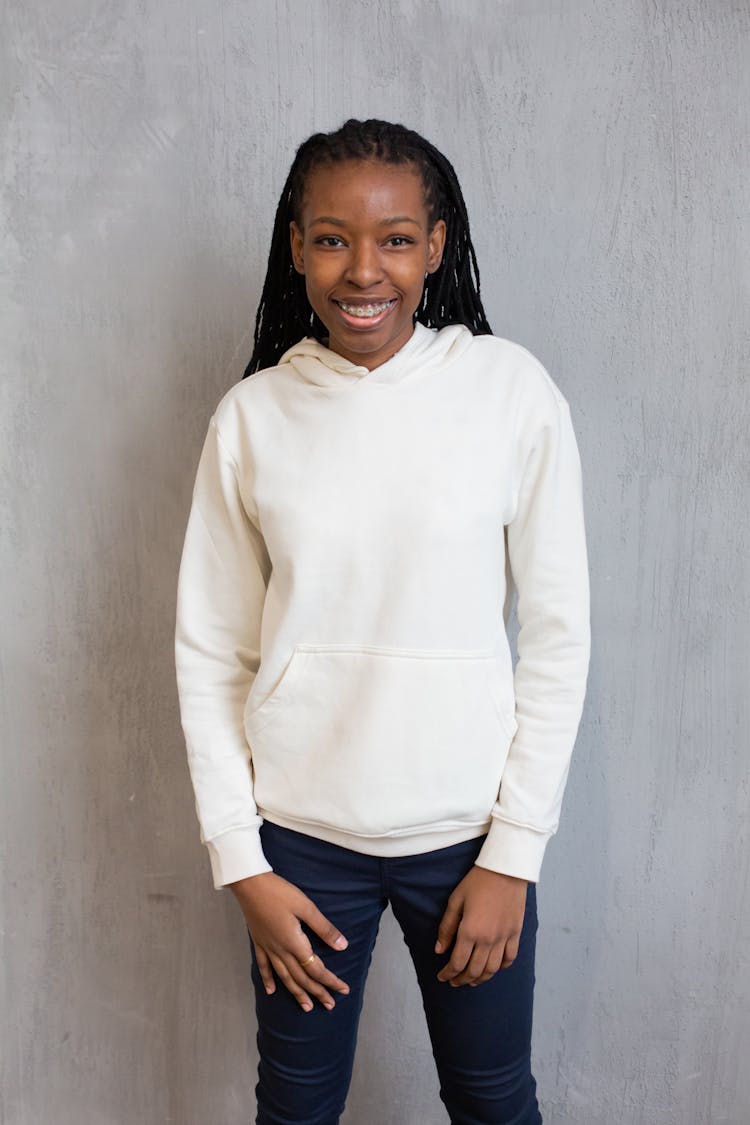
365 311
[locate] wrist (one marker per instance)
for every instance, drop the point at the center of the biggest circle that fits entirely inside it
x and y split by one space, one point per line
510 880
249 886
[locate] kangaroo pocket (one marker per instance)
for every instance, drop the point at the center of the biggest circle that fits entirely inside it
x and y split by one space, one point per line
383 741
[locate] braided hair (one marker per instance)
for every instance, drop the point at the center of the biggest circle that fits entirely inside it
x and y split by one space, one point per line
451 294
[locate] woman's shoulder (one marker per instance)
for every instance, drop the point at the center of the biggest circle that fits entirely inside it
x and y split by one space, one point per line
248 393
523 371
251 407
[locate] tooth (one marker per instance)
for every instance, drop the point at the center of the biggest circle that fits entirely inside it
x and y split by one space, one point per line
365 311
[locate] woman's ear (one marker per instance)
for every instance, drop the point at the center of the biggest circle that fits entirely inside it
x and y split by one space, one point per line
435 246
297 242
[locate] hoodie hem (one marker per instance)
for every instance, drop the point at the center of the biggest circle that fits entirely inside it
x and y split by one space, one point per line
402 843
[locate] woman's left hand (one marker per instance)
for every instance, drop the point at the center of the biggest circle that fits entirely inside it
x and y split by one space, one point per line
485 916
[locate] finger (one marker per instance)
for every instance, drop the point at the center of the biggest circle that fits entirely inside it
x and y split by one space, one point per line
315 966
448 926
310 973
474 969
318 971
313 987
494 962
322 927
511 952
286 978
462 951
265 970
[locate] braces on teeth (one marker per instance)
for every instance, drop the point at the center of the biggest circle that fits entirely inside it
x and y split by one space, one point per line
364 310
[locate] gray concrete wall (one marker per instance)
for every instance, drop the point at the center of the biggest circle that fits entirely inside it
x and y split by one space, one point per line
603 145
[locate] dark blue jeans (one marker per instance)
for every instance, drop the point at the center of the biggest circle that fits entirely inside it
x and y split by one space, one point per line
481 1037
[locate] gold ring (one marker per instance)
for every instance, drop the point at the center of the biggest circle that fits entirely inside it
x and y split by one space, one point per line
307 962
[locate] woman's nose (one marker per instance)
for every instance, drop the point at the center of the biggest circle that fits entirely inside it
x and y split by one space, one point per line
364 266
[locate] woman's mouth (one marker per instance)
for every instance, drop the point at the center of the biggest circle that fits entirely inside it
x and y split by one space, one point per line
365 314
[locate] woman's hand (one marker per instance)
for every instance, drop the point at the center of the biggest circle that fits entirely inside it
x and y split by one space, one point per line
485 916
274 910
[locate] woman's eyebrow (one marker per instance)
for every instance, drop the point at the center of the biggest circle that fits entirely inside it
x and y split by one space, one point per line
328 219
398 219
383 222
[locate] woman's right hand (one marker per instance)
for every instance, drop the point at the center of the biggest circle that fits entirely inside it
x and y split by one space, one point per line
274 910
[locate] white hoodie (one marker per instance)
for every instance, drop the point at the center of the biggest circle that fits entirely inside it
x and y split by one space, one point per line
342 660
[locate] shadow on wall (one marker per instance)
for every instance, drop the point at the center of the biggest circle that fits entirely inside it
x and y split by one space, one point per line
573 891
167 958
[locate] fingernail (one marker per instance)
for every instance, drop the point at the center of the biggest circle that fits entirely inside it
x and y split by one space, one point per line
269 991
438 947
329 1007
340 942
307 1007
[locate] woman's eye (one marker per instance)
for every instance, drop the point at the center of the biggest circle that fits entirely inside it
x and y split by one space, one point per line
329 240
400 240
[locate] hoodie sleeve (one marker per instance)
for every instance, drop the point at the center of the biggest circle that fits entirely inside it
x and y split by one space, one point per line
547 556
221 590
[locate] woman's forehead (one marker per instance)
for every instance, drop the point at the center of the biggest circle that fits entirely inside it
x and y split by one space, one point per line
364 187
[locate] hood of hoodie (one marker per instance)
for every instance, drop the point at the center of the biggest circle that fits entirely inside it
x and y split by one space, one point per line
425 348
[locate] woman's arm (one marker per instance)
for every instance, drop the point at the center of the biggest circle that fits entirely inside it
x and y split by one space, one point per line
547 555
222 587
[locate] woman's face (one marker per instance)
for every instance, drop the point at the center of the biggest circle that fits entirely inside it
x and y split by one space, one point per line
364 245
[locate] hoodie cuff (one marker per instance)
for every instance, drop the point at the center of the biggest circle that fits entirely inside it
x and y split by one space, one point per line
513 849
236 854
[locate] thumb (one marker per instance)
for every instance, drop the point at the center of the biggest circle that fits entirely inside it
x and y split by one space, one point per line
322 927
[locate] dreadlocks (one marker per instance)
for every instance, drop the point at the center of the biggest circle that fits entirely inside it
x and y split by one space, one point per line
451 294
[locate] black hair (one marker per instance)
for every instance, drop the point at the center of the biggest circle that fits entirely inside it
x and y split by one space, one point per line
451 294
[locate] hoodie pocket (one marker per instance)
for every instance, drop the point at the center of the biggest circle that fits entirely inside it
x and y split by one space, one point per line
383 741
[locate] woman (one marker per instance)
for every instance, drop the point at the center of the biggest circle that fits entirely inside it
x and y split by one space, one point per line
356 733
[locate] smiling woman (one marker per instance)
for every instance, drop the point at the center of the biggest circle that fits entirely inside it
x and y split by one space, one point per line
356 732
365 243
450 293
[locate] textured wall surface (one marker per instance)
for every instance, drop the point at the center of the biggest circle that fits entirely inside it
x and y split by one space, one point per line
603 146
